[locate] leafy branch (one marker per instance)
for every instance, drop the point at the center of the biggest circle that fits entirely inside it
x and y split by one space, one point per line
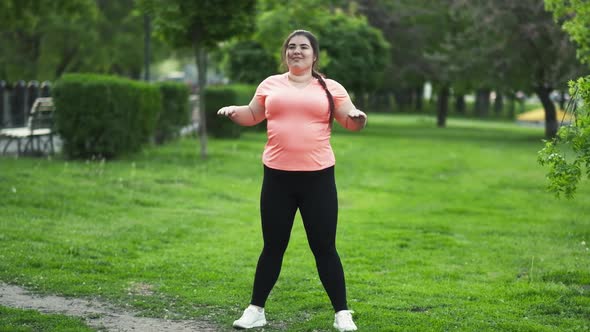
568 154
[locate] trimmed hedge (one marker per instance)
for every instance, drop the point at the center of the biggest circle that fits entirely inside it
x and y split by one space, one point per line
217 97
103 116
175 111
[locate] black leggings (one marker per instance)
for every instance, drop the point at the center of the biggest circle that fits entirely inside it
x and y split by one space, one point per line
314 194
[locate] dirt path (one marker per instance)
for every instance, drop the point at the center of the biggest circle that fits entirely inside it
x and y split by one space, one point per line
96 314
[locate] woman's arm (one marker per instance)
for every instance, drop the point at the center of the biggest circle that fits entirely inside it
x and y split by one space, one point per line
350 117
247 115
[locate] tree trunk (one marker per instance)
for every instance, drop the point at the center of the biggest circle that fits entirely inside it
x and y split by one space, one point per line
360 100
482 102
460 104
147 46
498 103
419 98
562 100
550 114
512 108
403 99
379 102
201 55
442 106
66 58
432 99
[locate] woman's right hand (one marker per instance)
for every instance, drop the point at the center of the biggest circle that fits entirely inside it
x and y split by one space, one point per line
228 111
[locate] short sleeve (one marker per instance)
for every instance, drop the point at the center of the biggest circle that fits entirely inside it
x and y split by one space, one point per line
262 91
338 92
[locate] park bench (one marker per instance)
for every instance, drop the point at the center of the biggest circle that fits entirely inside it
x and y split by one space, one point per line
37 136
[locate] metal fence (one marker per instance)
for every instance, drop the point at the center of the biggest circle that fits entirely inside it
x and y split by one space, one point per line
16 100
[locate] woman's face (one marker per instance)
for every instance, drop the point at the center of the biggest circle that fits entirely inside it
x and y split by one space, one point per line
299 54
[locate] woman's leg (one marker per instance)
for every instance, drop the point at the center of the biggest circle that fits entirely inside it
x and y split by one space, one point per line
277 211
319 210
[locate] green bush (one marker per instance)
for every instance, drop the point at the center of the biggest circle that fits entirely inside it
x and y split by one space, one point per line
175 111
217 97
104 116
244 92
239 55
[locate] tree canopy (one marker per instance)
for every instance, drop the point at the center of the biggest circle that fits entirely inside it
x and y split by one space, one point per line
534 52
505 45
49 38
574 15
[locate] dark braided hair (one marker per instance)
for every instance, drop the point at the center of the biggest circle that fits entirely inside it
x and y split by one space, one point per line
316 52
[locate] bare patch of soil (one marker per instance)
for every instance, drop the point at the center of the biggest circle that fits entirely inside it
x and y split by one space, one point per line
97 314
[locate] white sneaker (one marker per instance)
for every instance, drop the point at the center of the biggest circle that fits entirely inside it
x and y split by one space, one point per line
343 321
251 317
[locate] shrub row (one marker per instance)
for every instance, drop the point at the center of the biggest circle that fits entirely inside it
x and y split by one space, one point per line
226 95
175 111
105 116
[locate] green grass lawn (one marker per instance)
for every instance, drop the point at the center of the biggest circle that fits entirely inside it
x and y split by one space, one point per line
14 320
439 230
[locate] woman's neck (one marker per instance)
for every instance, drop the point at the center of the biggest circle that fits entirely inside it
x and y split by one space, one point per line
300 77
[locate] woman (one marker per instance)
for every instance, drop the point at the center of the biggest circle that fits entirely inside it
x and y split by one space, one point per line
299 107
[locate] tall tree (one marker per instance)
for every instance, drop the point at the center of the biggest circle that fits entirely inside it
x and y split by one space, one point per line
200 25
534 51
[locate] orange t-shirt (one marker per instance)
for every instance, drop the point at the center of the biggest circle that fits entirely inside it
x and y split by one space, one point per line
298 123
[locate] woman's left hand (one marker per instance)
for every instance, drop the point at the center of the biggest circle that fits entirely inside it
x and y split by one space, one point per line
357 116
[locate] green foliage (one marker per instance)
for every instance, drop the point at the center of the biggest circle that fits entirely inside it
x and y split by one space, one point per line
45 36
190 24
175 111
569 152
248 62
358 53
503 45
120 32
276 20
352 51
518 47
27 15
575 18
220 96
104 116
414 28
244 92
566 172
49 38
